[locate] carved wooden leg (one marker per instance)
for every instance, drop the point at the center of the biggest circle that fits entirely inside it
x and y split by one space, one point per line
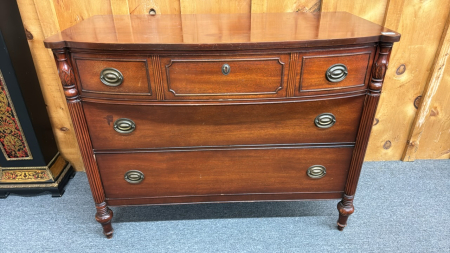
345 208
379 67
104 216
66 74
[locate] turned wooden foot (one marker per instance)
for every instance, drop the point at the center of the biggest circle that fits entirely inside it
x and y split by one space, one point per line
104 216
4 195
345 208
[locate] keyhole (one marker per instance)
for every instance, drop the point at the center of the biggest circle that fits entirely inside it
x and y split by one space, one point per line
226 69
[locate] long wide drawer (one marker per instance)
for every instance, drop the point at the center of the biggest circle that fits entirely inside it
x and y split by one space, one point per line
224 172
157 126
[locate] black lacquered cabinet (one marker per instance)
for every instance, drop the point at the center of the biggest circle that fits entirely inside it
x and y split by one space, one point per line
29 159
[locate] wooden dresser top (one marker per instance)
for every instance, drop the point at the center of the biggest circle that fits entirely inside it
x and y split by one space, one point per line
220 31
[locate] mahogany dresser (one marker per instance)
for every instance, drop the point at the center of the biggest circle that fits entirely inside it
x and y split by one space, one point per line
172 109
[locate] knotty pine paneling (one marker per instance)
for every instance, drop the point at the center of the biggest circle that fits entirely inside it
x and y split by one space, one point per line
274 6
430 133
48 76
160 6
416 51
370 10
215 6
71 12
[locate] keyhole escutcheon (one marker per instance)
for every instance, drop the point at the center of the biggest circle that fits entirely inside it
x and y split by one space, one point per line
226 69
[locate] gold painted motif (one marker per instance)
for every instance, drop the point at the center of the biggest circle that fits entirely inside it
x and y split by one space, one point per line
13 143
31 184
25 175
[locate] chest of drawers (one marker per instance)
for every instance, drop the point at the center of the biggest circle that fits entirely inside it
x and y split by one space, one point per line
172 109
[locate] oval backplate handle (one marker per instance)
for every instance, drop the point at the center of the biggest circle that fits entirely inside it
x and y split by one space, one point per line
134 176
124 126
226 69
336 73
111 77
316 171
325 120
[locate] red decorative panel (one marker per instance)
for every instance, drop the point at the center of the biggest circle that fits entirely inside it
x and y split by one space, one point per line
12 139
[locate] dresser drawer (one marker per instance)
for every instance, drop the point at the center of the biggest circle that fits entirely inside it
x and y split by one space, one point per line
219 172
114 77
335 70
216 125
219 77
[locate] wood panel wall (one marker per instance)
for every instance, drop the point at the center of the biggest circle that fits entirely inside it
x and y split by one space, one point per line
418 65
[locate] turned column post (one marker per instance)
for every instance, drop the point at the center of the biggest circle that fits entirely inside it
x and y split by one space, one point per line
66 74
379 67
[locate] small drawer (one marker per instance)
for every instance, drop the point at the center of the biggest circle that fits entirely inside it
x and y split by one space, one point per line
224 77
114 126
224 172
324 71
101 76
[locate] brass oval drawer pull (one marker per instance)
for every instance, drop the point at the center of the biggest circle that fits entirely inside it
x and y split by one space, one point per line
124 126
226 69
134 176
325 120
111 77
336 73
316 171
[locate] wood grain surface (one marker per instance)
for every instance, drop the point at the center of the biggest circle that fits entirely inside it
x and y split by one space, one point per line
48 76
214 6
181 126
212 32
250 76
314 68
370 10
403 84
160 6
224 172
435 138
432 120
273 6
134 70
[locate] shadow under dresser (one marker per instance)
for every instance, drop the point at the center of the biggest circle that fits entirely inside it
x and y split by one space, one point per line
172 109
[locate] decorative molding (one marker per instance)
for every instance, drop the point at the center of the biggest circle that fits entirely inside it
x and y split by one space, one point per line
34 173
156 66
84 141
379 68
14 146
41 185
362 139
293 63
228 147
34 167
254 101
226 94
66 75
